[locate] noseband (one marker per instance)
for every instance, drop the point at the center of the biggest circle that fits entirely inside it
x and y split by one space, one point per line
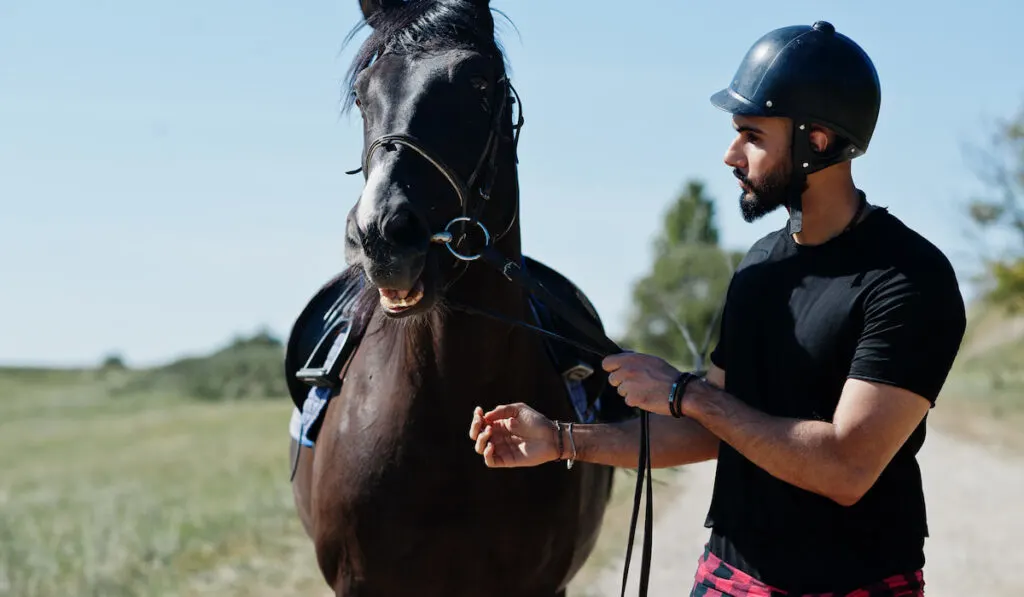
600 344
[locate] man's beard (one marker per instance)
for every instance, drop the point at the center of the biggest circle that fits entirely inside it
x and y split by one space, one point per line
765 195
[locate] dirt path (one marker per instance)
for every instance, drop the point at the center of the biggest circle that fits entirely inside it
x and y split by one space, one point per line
976 514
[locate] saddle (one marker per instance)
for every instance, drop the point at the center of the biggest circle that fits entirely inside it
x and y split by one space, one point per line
328 330
602 402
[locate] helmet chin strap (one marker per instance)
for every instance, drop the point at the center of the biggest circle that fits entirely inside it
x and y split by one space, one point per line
807 161
801 155
797 181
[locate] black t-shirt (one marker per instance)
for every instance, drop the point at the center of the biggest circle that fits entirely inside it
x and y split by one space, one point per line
878 302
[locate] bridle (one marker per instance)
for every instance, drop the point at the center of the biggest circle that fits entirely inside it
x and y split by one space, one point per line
602 346
485 172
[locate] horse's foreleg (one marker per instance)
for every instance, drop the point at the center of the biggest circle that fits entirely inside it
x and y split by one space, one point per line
302 484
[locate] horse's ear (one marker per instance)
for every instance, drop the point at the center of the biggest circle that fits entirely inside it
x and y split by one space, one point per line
372 7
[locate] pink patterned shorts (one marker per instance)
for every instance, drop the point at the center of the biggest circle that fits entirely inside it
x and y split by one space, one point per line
715 578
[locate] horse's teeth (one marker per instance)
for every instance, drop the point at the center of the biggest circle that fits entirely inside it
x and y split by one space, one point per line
400 302
393 299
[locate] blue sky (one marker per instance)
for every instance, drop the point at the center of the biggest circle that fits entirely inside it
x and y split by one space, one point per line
171 173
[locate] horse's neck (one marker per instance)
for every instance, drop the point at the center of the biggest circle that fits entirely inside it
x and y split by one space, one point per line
475 338
455 352
488 350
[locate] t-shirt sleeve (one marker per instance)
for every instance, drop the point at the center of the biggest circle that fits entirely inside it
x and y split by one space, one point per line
911 334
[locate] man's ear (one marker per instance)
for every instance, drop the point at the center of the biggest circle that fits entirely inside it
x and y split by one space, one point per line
372 7
822 139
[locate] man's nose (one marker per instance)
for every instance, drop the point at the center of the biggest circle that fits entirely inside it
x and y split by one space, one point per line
733 156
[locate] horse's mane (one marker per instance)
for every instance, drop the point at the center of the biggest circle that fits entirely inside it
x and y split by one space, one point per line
422 26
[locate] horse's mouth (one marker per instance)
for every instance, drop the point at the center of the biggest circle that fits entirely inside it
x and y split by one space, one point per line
395 301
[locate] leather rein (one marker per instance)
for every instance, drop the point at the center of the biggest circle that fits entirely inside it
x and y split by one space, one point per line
485 174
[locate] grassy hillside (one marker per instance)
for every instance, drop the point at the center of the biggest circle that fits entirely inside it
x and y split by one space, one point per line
984 397
164 481
144 495
247 368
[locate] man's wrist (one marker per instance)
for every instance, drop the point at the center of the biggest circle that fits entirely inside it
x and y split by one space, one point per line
565 443
694 400
557 442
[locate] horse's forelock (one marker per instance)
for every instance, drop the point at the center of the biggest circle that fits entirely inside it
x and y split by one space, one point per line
420 25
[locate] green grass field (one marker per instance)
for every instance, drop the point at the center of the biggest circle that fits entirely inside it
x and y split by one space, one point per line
983 399
144 495
174 482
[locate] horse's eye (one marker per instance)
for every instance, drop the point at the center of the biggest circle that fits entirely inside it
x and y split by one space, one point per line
479 83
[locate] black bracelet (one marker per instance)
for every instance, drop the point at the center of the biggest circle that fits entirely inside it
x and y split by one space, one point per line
672 397
678 391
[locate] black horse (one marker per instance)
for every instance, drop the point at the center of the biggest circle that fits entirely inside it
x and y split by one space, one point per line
416 332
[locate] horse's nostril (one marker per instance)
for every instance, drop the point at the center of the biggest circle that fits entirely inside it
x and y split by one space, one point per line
404 229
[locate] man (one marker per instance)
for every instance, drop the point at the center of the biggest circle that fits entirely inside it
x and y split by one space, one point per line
838 333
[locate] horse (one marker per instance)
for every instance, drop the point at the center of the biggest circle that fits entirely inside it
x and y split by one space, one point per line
389 358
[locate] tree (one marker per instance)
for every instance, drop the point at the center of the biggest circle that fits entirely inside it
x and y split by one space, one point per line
690 220
113 361
1001 168
676 306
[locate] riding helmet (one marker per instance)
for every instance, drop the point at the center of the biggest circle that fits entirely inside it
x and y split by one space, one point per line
813 75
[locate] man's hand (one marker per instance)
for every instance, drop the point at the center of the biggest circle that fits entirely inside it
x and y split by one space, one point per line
643 380
514 435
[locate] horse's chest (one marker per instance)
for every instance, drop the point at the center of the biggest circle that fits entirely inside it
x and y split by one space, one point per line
389 435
